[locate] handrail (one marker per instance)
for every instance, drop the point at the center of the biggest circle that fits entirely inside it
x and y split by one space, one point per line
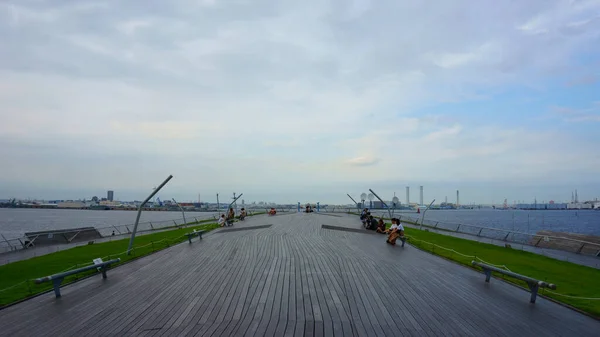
521 233
508 231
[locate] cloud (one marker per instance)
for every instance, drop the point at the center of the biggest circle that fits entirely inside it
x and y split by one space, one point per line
590 114
363 161
245 94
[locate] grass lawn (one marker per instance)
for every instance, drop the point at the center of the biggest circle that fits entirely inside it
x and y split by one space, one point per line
571 279
17 276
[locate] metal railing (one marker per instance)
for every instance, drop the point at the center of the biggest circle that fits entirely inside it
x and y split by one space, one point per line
509 236
107 233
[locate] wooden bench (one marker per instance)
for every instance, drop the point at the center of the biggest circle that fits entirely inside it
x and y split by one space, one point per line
533 284
193 234
58 278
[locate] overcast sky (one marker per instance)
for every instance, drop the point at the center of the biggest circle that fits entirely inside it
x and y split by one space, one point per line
300 100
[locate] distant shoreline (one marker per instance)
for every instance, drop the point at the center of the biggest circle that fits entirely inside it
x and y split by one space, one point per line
107 208
112 208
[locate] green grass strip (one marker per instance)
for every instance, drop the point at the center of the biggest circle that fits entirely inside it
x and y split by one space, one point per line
16 279
571 279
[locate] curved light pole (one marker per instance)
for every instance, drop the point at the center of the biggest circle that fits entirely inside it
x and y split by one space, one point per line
355 203
181 209
423 214
383 202
139 213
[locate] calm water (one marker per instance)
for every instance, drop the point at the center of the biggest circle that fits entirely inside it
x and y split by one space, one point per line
14 222
582 222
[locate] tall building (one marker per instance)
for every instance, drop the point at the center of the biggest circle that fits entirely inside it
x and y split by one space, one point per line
407 196
421 195
110 195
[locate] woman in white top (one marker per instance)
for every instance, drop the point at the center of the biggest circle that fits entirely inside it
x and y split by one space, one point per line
395 232
392 227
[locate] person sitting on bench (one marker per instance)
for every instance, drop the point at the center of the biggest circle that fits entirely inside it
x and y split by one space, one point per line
396 233
381 226
242 214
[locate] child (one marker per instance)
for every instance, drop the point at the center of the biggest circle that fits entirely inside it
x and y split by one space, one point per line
222 220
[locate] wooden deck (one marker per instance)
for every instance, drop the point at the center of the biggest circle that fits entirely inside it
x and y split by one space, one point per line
293 278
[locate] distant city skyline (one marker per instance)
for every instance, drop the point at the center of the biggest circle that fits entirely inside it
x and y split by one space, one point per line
468 195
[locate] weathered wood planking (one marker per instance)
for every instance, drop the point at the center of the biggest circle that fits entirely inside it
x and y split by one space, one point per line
293 278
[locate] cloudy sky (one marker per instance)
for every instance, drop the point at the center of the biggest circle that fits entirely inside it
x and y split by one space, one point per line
300 100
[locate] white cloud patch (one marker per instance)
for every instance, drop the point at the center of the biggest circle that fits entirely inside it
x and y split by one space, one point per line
363 161
589 114
241 93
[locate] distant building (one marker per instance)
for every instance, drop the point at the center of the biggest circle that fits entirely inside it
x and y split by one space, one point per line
110 195
71 204
579 205
542 206
379 205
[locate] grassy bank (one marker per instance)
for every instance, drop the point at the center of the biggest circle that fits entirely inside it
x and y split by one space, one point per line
16 279
571 279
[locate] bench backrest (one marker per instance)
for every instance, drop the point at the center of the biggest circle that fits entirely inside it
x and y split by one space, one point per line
513 274
76 271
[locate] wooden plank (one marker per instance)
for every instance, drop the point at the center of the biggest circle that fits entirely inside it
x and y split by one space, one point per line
276 307
284 305
255 293
292 279
223 299
225 318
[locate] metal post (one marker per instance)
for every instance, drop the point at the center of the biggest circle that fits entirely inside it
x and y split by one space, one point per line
423 214
318 207
137 219
355 203
234 200
11 247
182 212
383 202
218 206
298 206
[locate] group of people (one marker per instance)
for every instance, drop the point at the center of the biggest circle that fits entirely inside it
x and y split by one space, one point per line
395 231
227 220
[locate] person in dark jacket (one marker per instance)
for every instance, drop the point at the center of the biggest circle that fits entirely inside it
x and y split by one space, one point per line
372 223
